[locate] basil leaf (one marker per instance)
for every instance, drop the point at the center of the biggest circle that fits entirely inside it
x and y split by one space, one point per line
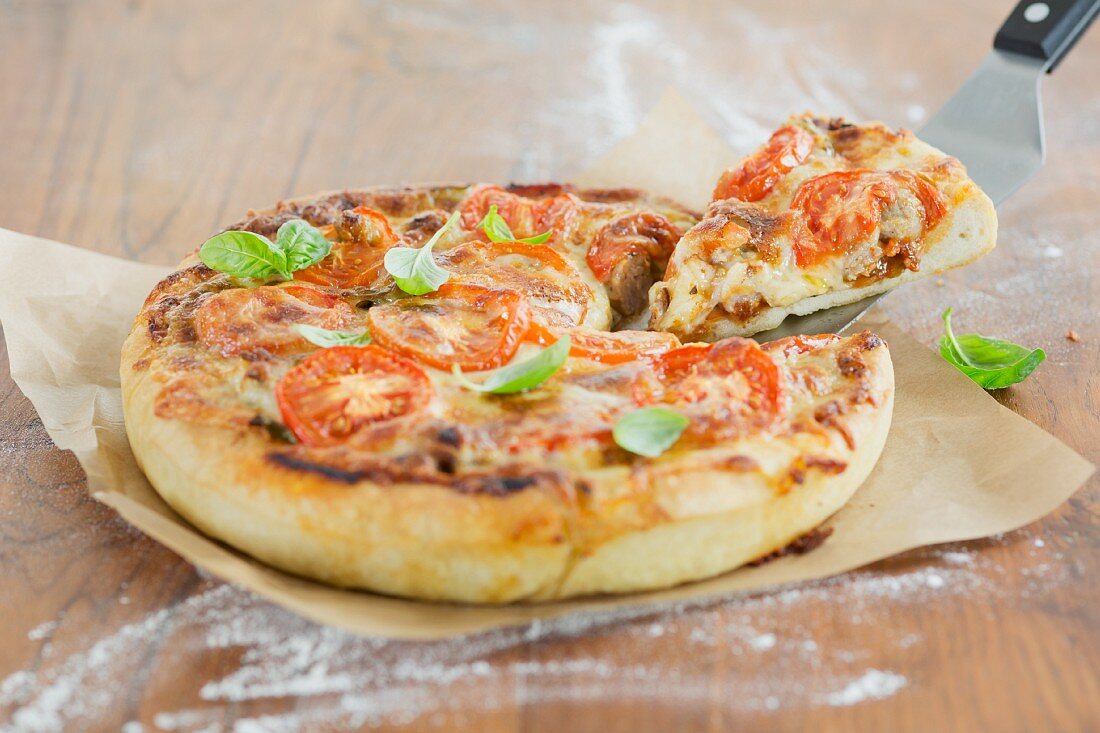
414 269
324 337
523 375
302 243
991 363
244 254
649 431
497 229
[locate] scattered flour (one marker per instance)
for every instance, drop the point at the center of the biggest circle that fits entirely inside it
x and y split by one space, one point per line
43 630
339 680
874 684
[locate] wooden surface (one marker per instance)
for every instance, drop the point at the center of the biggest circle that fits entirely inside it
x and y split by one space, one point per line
136 128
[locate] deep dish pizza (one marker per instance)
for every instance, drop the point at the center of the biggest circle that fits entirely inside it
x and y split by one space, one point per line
417 391
825 213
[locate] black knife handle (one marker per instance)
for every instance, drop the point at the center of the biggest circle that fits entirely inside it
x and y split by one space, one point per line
1046 29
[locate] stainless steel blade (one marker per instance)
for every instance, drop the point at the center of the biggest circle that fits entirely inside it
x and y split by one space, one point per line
994 125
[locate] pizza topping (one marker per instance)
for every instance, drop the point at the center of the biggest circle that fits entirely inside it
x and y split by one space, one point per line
496 229
649 431
525 218
363 236
464 325
801 344
576 412
324 338
639 234
757 174
338 392
610 347
726 388
628 254
843 208
415 270
257 321
245 254
555 290
523 375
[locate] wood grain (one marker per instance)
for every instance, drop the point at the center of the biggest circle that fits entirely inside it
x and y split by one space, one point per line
136 128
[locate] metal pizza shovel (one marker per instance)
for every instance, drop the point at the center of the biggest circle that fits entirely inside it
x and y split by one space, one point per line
993 124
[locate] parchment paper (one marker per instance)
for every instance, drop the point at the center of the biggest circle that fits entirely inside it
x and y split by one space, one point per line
957 464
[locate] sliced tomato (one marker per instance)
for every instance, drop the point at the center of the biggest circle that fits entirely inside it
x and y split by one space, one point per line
727 388
338 392
362 238
842 208
609 347
555 290
260 320
526 217
756 175
641 233
472 326
522 214
675 364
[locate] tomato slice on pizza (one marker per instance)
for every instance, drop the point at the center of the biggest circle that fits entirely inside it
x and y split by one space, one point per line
556 292
461 324
362 237
841 209
259 320
525 216
337 392
609 347
727 388
757 174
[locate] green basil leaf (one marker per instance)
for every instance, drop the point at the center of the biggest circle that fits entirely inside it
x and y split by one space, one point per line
302 243
497 229
244 254
523 375
992 363
414 269
538 238
649 431
324 337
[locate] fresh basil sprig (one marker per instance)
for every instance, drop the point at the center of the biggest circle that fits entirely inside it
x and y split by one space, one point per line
297 245
649 431
990 362
497 229
414 268
325 338
523 375
303 244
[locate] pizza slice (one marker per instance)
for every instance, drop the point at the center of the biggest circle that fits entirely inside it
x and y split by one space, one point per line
825 213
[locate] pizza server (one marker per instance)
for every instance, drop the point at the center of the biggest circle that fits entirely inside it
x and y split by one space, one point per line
993 124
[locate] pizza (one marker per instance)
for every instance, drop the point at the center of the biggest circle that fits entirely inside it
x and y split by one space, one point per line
825 213
427 392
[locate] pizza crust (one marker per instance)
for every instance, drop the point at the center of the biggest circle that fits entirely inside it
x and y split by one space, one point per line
432 542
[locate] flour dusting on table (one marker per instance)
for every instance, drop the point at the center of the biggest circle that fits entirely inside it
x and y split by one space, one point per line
337 679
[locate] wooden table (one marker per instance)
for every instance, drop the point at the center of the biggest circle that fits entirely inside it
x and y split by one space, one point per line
136 128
